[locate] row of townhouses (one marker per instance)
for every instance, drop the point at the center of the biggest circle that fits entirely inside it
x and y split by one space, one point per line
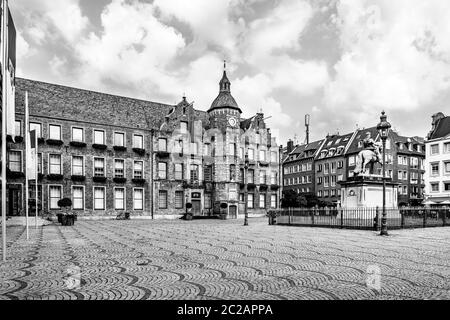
318 168
112 154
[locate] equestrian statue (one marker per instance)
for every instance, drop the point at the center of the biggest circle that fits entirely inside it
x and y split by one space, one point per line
368 157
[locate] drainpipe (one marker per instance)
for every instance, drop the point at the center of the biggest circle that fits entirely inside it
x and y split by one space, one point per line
151 174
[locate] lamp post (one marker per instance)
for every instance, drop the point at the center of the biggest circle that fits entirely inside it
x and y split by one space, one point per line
246 190
383 128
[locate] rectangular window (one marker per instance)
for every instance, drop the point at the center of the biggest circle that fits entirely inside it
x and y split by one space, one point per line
18 128
327 168
162 170
273 201
119 198
435 169
262 177
208 172
99 198
333 167
77 134
232 149
15 161
54 132
194 173
447 186
162 144
138 171
273 178
183 126
119 168
434 149
37 127
162 199
435 187
138 199
179 199
262 155
447 147
352 160
78 197
55 194
99 167
250 176
178 171
40 163
232 172
119 139
262 201
55 164
447 167
250 201
77 166
251 154
309 166
138 141
99 137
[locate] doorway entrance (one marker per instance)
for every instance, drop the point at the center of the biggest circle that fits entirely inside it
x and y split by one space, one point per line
232 214
14 200
196 207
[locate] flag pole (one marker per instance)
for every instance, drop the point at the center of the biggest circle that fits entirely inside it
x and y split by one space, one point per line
4 118
27 153
36 179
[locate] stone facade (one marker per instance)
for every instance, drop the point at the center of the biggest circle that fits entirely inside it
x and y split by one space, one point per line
113 155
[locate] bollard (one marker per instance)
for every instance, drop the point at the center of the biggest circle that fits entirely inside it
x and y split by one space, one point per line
375 220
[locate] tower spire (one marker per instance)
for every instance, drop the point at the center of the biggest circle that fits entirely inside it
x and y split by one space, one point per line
225 84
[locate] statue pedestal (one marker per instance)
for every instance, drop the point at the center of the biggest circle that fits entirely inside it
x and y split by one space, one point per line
366 191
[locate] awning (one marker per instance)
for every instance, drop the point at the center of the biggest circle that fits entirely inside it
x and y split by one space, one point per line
429 202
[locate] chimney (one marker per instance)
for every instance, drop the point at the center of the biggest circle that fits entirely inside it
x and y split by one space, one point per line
290 146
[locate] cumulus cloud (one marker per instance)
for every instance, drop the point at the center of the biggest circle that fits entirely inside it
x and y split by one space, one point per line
395 55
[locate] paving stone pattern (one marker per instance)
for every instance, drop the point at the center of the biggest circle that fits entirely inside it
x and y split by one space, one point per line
213 259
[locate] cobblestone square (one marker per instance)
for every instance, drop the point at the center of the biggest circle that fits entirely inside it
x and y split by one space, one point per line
211 259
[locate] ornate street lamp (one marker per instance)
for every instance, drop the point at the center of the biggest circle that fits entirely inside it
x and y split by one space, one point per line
246 190
383 128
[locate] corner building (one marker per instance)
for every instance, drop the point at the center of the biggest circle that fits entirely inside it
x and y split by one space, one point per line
200 159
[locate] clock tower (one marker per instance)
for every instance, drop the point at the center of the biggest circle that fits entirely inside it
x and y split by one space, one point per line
224 112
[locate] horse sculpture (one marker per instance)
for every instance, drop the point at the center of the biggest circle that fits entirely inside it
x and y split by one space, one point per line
366 162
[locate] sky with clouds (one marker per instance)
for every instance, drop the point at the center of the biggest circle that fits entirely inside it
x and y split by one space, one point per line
342 61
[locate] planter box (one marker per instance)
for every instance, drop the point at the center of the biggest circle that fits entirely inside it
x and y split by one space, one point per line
139 151
263 187
119 148
99 146
120 180
78 144
99 179
162 154
139 181
40 176
55 177
55 142
41 140
68 220
18 139
274 187
14 175
78 178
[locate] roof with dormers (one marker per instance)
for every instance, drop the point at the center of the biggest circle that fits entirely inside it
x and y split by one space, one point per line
57 101
442 129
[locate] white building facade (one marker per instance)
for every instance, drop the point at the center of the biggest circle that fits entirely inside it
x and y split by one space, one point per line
437 162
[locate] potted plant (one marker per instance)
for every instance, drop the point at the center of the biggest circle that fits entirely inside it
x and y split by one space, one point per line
66 218
272 214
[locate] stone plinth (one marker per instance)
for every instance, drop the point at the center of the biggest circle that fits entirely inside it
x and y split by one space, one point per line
366 191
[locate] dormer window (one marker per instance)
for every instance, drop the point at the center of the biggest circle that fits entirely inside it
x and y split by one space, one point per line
340 150
323 154
331 152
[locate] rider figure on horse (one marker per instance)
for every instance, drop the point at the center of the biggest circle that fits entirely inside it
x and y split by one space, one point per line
370 144
368 156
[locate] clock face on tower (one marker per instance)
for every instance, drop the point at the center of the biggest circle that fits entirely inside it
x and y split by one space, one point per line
232 122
